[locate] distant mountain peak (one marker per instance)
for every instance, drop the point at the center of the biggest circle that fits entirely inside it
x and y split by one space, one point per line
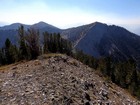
99 23
42 24
13 26
16 24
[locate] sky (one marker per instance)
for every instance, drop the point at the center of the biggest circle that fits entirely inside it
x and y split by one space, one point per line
71 13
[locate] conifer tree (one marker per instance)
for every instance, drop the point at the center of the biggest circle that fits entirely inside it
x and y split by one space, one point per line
23 53
1 57
32 39
46 41
9 52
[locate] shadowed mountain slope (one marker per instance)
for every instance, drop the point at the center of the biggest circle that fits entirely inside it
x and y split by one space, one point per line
99 40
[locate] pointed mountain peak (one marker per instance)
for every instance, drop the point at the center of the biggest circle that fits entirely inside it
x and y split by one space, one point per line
13 25
99 23
42 24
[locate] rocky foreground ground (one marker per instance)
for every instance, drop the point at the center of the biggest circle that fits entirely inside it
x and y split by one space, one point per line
58 80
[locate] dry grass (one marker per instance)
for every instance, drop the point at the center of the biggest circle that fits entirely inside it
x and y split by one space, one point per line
6 67
46 56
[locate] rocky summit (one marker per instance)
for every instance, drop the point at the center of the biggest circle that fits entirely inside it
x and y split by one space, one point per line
58 80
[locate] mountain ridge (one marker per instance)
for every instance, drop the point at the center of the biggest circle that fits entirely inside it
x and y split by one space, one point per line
95 39
15 26
58 79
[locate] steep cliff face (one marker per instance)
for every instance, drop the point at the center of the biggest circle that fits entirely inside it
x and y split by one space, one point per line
58 80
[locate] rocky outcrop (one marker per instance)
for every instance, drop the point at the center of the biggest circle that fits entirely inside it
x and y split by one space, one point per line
58 80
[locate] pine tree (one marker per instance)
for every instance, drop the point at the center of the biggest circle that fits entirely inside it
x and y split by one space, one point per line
23 53
32 39
57 42
9 52
46 41
1 57
54 43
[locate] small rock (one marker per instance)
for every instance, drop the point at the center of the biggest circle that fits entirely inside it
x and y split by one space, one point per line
67 101
87 97
87 103
14 68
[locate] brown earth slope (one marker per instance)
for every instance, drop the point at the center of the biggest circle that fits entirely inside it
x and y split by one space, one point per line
58 80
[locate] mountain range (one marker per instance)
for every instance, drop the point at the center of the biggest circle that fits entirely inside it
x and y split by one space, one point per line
95 39
41 26
11 31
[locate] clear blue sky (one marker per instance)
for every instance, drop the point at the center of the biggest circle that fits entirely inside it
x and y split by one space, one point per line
69 13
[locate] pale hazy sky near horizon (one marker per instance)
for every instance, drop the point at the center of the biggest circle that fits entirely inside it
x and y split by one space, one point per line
70 13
